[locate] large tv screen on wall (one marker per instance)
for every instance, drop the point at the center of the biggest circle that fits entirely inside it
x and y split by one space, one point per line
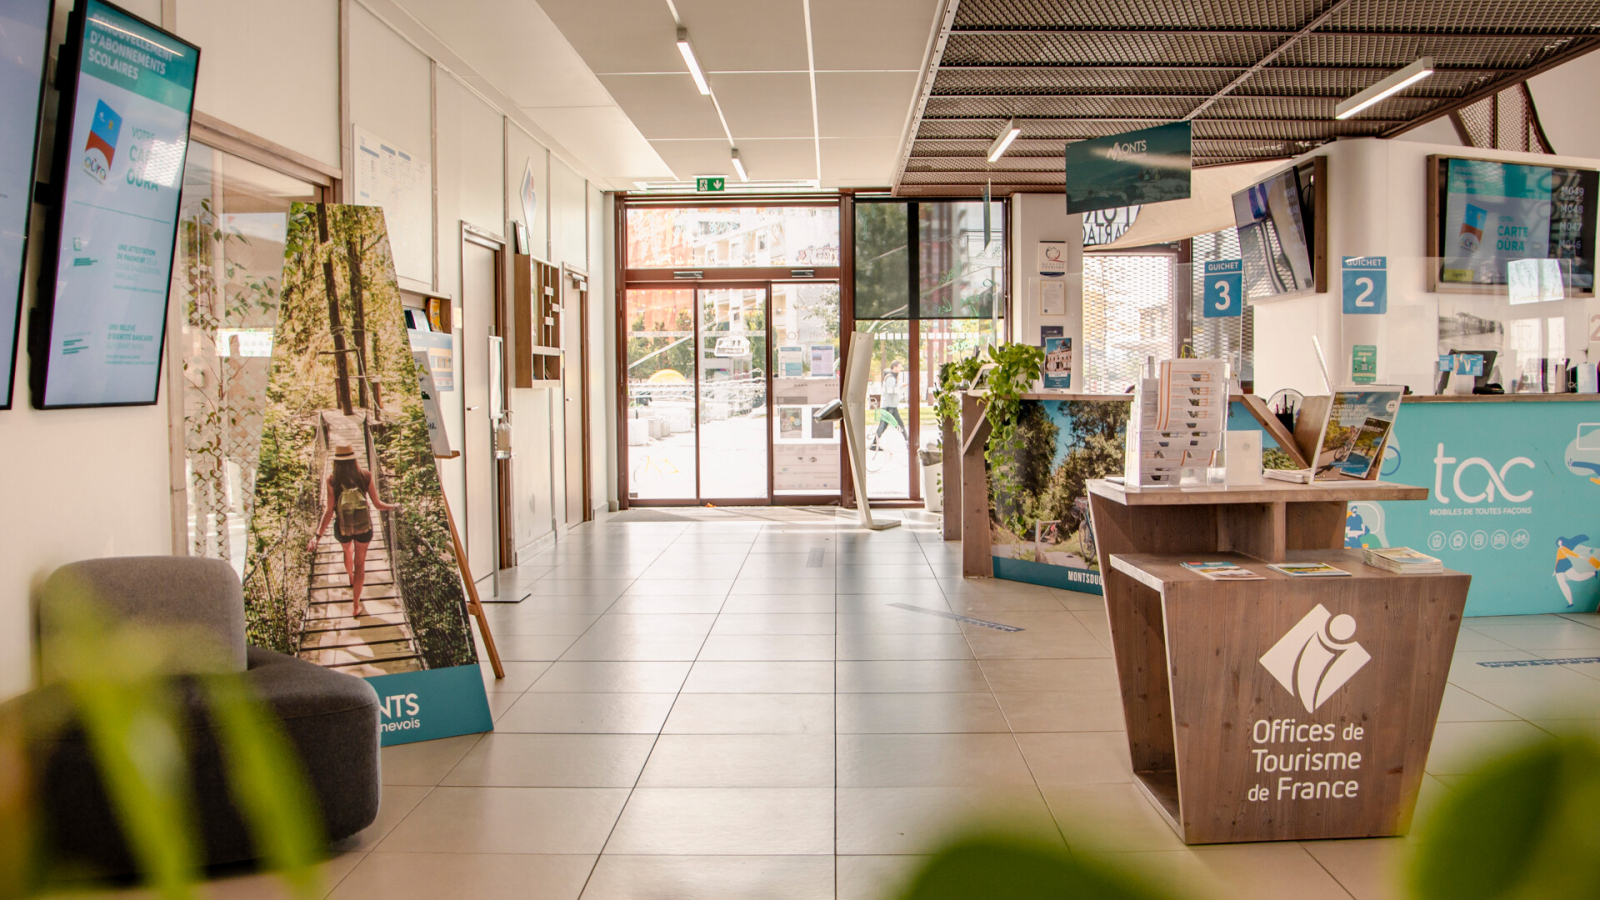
1485 216
24 41
1282 236
121 141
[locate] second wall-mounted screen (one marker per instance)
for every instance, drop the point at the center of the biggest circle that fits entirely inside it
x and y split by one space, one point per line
24 37
1493 218
120 149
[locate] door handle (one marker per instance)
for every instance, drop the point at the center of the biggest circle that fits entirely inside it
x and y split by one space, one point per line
471 408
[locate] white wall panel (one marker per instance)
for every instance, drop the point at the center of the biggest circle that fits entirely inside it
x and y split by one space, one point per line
602 319
269 68
569 238
389 98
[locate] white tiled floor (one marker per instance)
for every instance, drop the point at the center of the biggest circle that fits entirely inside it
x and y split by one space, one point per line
736 709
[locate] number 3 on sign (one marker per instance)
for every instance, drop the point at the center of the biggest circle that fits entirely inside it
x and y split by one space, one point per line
1224 289
1366 286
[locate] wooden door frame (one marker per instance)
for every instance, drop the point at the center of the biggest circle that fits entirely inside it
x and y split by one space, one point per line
570 276
505 512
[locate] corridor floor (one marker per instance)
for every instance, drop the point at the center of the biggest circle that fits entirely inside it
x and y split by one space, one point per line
779 706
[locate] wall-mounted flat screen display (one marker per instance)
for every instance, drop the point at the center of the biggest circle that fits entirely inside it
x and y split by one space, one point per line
1276 218
24 40
120 147
1487 218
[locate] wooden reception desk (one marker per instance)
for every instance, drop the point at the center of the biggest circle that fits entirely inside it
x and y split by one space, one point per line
1280 709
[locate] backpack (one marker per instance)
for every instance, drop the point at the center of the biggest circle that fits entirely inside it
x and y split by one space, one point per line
354 516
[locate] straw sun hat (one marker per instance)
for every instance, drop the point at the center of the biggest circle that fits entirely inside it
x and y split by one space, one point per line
344 451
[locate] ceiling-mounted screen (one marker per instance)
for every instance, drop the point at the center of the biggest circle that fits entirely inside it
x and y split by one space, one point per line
1488 219
24 39
120 147
1283 246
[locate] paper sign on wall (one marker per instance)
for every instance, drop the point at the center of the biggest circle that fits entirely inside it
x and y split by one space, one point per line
1052 298
1366 285
1224 293
1364 363
401 182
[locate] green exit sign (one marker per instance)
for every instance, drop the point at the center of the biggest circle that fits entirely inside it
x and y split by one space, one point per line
710 184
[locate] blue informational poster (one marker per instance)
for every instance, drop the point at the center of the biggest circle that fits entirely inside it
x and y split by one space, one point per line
1224 288
1366 285
1137 167
120 155
24 36
1057 363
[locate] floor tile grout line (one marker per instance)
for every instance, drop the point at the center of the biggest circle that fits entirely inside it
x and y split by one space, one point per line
656 742
1348 892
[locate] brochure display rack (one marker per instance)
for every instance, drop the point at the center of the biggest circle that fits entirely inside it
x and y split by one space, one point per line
1278 708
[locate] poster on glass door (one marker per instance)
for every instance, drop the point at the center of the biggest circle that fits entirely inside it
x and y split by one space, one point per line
350 561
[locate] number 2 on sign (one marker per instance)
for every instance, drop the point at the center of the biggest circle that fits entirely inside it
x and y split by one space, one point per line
1224 300
1366 291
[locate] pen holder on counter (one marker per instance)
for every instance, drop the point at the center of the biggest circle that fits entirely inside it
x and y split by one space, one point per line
1287 418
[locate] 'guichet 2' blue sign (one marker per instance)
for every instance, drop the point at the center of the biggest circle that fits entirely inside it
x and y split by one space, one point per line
1366 285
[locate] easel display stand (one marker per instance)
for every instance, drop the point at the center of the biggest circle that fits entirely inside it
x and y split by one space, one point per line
474 605
854 398
1277 709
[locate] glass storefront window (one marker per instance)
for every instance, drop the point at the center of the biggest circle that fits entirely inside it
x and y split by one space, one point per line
732 236
232 222
883 236
942 341
961 259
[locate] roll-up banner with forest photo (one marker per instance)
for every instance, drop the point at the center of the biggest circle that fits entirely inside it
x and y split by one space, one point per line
350 562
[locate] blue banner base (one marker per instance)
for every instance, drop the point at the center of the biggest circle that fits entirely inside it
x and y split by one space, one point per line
1066 578
431 704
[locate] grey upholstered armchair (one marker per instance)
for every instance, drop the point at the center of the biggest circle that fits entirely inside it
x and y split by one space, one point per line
330 718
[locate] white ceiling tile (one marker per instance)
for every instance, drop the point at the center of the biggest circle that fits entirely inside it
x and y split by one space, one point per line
605 138
687 159
779 159
665 106
859 34
859 162
746 36
864 104
619 35
765 104
517 47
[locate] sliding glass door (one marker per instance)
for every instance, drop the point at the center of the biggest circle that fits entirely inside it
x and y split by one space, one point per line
731 394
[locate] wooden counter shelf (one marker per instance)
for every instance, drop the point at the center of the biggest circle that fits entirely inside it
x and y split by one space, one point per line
1212 671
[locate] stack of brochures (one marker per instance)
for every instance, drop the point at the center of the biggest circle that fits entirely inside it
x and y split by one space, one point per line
1404 560
1308 570
1178 421
1223 571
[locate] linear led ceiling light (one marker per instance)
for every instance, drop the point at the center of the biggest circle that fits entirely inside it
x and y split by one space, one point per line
1386 88
689 60
1007 135
738 166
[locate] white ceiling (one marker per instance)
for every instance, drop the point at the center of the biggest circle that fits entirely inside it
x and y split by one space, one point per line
604 79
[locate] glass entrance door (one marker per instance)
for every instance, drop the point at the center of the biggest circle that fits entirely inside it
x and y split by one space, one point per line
732 394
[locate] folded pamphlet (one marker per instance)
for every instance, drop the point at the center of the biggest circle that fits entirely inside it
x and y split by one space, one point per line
1223 571
1308 570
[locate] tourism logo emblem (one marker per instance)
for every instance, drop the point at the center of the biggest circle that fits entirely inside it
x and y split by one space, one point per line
1317 657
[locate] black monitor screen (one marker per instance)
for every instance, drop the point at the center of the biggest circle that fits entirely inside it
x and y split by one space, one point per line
24 38
120 147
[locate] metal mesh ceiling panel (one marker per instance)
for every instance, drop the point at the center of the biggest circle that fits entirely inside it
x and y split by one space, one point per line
1260 77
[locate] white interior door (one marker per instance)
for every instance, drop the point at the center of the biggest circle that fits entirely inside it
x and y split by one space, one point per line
477 315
